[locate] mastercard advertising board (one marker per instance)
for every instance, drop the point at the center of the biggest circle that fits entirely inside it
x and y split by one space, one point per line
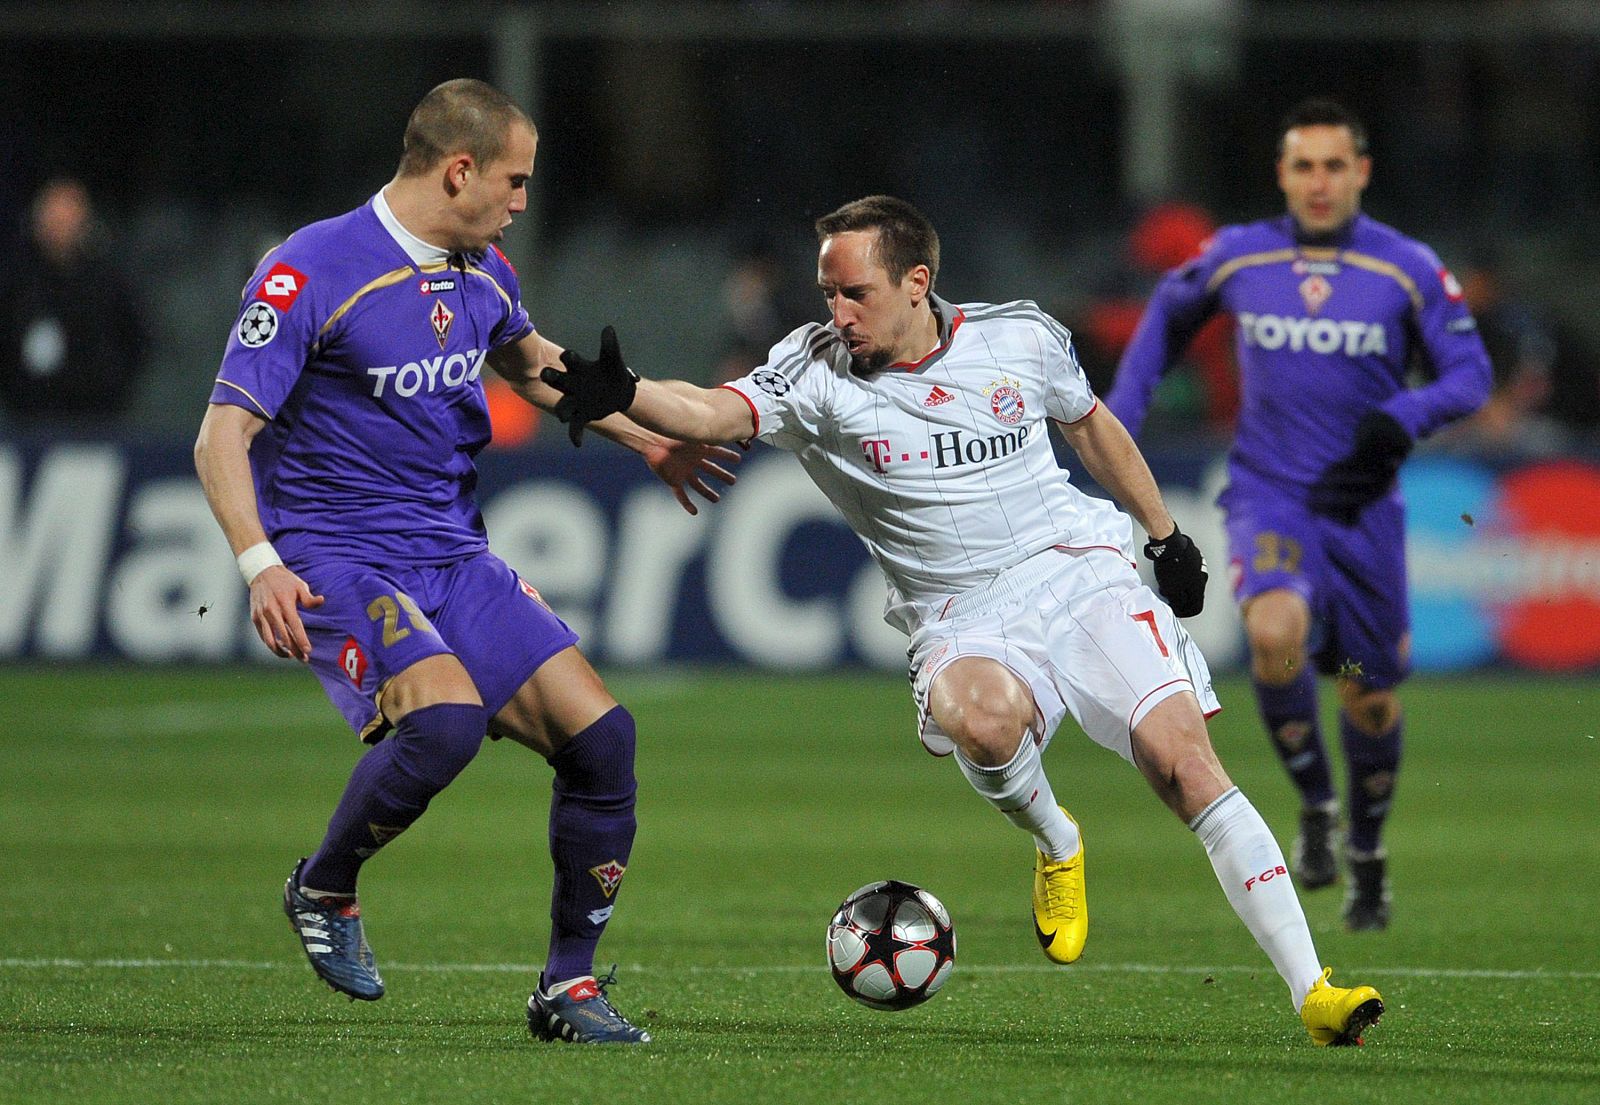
1504 566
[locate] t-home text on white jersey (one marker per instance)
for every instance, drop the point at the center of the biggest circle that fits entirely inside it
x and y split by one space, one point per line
943 468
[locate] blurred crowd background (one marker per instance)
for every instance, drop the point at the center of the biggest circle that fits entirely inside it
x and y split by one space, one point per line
1067 151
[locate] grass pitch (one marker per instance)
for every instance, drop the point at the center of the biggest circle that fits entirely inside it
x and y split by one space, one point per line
150 817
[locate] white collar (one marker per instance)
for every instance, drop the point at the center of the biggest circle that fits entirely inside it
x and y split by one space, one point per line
420 252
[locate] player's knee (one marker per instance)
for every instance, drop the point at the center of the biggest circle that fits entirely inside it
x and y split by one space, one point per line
1373 713
1277 651
988 734
1276 625
435 743
597 763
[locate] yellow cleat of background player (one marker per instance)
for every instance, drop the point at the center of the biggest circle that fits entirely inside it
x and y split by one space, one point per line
1335 1016
1060 904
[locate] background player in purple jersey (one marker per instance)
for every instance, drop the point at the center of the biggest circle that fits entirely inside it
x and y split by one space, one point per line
337 455
1333 308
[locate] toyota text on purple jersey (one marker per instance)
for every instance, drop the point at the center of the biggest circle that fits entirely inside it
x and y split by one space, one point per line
367 362
1325 333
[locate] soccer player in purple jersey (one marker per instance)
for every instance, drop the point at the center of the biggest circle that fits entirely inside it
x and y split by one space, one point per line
337 455
1332 309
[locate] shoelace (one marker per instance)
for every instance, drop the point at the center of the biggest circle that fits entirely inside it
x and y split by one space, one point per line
601 983
343 932
1060 894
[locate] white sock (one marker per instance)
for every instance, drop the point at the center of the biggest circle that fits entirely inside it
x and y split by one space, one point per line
1020 791
1249 865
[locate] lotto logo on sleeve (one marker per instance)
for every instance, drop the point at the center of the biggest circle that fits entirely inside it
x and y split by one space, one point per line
282 286
353 661
532 592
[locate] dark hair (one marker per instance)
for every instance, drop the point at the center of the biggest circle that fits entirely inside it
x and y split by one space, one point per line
1318 112
459 116
905 236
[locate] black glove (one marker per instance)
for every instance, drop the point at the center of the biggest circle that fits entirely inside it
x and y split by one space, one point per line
591 390
1180 572
1381 446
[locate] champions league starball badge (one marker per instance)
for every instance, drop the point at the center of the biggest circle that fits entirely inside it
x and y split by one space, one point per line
258 325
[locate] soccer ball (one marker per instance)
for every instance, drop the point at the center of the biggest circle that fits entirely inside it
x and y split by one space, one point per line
891 945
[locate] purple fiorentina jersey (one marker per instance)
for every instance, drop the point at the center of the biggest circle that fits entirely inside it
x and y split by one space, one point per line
1325 334
368 367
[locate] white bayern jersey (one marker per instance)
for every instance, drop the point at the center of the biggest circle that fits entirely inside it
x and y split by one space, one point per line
944 467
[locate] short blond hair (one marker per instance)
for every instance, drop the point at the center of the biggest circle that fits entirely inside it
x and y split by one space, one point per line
460 116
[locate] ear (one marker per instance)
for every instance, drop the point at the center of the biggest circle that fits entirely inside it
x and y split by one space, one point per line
458 169
916 282
1364 170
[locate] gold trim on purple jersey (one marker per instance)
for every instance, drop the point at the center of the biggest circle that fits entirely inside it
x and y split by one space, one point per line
394 276
1248 260
480 272
246 394
1385 268
1347 256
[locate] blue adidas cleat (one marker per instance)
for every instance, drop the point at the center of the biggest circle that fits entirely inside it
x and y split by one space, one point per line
582 1014
331 934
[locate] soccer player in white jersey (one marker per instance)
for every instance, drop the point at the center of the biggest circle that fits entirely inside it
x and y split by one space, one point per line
924 423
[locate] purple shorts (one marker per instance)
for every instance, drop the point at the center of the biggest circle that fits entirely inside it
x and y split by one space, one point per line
375 623
1352 577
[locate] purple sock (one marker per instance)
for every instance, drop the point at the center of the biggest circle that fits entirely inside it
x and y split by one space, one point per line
1290 714
391 786
1372 763
591 836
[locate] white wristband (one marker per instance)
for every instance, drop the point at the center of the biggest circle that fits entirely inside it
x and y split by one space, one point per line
257 559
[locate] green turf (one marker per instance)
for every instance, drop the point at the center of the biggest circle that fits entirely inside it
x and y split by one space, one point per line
151 816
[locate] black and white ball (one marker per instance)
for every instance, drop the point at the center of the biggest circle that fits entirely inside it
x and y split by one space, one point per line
891 945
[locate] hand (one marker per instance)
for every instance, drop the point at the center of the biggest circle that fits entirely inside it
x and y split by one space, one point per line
276 595
591 390
685 464
1180 572
1348 485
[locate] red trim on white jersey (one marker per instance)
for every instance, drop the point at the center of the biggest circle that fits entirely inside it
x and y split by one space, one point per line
1140 704
1080 418
955 324
755 415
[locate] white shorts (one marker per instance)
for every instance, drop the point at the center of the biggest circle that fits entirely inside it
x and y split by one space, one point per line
1082 632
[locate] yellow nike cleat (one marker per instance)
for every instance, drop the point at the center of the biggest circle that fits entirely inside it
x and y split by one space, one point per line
1060 904
1335 1016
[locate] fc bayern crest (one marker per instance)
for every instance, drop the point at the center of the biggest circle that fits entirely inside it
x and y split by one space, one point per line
1006 402
1315 290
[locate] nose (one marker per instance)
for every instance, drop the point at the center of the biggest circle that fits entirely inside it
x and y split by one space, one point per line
519 200
839 307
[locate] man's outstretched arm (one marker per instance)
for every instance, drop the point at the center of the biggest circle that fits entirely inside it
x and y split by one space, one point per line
1111 457
682 463
597 389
